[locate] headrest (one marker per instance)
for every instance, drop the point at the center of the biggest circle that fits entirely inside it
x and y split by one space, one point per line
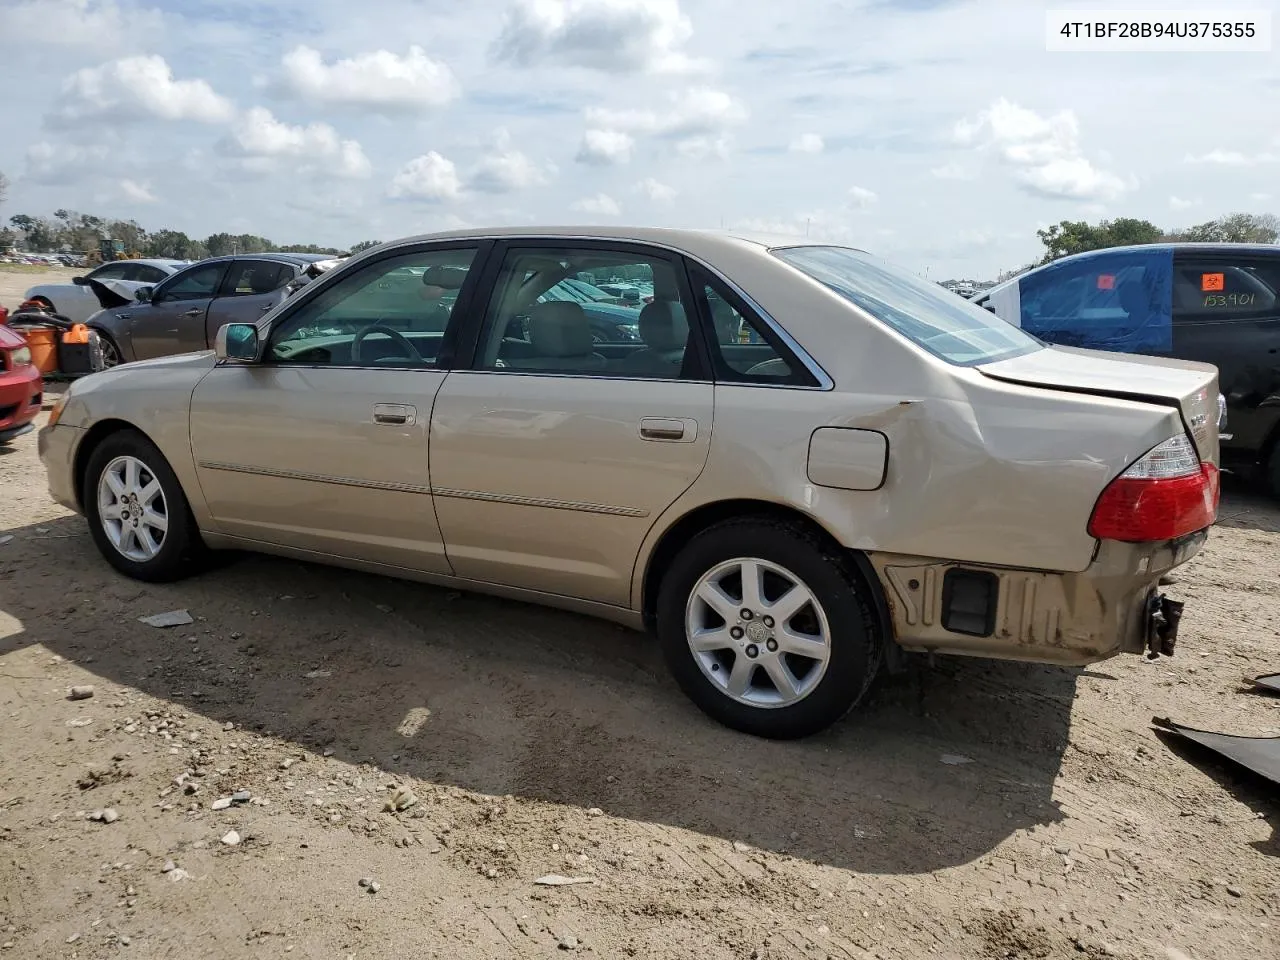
450 278
663 326
262 279
559 328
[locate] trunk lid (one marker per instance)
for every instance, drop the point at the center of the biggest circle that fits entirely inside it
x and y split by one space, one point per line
1191 387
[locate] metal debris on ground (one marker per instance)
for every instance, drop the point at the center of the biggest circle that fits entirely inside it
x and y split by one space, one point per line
1269 681
555 880
1258 754
170 618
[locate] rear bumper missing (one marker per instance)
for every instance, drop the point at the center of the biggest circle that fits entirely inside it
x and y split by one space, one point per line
1112 607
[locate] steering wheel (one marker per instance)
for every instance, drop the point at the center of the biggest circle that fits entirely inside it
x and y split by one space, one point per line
395 335
775 367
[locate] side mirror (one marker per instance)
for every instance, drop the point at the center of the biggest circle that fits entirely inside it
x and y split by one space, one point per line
143 294
237 342
79 281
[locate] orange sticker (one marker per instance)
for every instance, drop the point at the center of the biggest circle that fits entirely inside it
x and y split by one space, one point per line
1106 281
1211 282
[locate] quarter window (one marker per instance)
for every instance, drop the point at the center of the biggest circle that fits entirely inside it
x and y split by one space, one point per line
389 313
112 271
1209 290
590 311
743 348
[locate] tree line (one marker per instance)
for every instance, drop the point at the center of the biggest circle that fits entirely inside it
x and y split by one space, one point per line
1076 236
68 231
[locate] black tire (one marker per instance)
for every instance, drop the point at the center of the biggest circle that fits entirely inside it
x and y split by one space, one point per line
856 643
1272 472
181 551
109 347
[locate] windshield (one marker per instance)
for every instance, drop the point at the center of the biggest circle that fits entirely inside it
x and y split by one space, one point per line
948 326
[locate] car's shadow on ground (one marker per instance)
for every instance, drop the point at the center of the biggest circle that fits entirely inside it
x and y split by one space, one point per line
1247 505
938 768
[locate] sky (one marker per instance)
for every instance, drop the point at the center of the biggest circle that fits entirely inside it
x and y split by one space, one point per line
937 133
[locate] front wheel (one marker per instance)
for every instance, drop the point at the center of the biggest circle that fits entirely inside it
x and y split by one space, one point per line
110 352
138 515
768 629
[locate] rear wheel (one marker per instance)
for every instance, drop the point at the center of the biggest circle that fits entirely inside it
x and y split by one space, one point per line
767 628
138 515
1273 471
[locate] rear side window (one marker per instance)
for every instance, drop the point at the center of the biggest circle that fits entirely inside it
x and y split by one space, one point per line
950 327
1210 290
251 277
1119 302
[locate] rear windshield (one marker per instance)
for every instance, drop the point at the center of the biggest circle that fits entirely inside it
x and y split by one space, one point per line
944 323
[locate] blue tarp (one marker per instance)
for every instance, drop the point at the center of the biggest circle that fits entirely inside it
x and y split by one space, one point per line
1110 301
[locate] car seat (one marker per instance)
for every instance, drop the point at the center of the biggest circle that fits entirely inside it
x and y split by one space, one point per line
561 337
664 328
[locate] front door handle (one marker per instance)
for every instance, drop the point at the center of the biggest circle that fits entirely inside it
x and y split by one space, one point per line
668 430
395 414
193 313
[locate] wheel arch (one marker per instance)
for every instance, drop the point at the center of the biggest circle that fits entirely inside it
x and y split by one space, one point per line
93 439
700 518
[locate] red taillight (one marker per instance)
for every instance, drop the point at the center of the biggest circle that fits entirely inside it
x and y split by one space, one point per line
1167 494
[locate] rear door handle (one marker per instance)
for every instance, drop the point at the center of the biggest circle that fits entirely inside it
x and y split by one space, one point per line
396 414
668 430
193 313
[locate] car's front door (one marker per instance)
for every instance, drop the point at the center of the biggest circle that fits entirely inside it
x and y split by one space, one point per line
323 445
553 455
173 321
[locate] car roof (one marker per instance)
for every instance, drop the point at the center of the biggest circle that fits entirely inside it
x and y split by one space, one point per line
154 262
296 259
705 243
1263 249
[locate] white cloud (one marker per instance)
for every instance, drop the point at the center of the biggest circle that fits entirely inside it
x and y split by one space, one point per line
264 141
69 23
1044 152
807 143
504 169
696 119
65 163
605 147
655 191
136 192
951 171
1232 158
612 36
601 204
138 88
428 177
861 197
380 80
1178 203
1260 197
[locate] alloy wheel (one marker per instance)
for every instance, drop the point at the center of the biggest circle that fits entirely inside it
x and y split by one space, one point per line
758 633
132 508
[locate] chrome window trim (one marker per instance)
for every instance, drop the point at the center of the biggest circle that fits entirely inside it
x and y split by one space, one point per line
815 369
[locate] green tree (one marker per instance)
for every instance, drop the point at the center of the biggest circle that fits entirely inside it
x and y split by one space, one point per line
1234 228
38 233
363 245
1075 236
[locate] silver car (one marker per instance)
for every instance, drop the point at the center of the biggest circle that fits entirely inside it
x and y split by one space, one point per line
812 461
77 301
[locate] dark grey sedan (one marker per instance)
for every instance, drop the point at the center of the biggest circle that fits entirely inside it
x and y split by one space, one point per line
182 313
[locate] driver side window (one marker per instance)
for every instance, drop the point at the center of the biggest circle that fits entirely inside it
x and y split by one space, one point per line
390 313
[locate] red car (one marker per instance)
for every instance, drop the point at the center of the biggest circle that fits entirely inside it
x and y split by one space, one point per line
21 387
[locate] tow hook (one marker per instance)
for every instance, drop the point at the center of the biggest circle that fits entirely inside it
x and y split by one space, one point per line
1163 617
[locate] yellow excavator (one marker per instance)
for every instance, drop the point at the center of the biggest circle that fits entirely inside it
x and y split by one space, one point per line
110 249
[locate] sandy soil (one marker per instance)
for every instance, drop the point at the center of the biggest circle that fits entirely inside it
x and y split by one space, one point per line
534 743
15 280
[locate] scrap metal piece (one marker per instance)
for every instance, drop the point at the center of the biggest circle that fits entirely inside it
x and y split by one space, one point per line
1269 681
1259 754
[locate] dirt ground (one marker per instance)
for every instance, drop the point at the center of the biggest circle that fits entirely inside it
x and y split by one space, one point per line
970 810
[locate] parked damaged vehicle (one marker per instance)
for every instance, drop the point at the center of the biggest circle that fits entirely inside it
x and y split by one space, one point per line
183 312
1215 303
880 465
78 300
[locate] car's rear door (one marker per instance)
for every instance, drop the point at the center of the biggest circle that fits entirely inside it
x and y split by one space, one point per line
1226 311
321 447
553 456
174 320
250 289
